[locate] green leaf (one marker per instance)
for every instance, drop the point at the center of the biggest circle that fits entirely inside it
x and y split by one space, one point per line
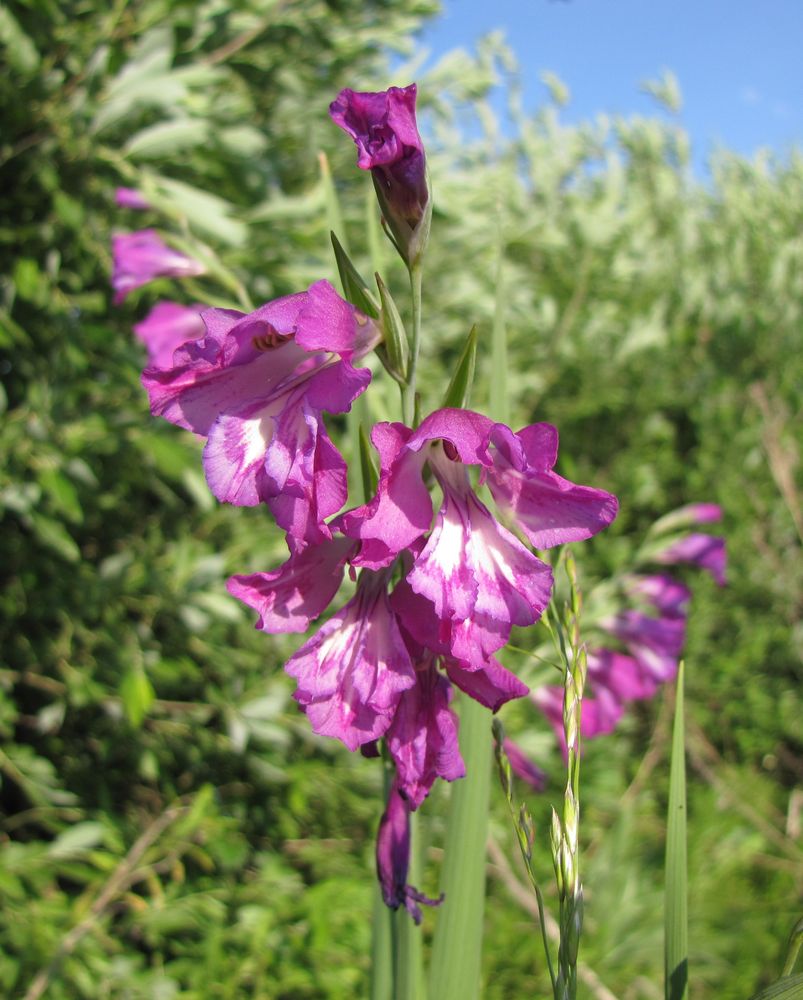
55 536
205 212
455 971
62 493
395 355
676 945
459 389
333 213
788 988
77 840
20 50
354 286
167 138
370 473
137 695
499 396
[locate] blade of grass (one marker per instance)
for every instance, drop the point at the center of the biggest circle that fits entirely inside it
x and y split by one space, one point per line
788 988
676 945
498 399
334 216
457 947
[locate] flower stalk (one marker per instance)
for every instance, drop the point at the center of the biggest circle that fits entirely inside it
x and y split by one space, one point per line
565 830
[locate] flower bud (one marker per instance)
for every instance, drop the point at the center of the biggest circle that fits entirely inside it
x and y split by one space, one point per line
384 129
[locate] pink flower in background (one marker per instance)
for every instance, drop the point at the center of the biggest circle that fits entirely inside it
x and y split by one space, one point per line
706 551
131 198
650 634
600 714
141 257
167 326
384 129
256 387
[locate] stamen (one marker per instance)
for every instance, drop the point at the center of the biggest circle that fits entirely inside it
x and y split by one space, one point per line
270 340
451 451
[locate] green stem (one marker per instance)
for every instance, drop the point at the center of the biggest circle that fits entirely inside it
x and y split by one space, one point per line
408 965
408 391
457 948
382 961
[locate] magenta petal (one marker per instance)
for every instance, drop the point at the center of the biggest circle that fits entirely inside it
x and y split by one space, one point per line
131 198
167 326
422 738
290 597
383 126
600 714
352 672
418 617
401 511
476 572
327 322
668 596
549 509
234 455
661 634
300 509
242 358
491 685
624 676
707 551
465 430
200 385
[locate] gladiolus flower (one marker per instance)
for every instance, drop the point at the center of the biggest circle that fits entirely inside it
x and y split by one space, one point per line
384 129
141 257
478 577
256 387
707 551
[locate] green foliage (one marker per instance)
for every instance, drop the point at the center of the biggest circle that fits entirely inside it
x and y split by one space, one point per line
653 319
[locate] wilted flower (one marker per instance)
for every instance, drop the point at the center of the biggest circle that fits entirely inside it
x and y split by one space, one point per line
384 128
393 858
167 326
256 387
142 256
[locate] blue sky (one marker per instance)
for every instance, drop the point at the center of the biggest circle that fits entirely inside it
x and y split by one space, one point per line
739 62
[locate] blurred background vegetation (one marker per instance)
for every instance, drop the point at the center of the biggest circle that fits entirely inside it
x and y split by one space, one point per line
168 824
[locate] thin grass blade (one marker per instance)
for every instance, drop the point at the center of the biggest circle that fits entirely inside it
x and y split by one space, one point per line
676 940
